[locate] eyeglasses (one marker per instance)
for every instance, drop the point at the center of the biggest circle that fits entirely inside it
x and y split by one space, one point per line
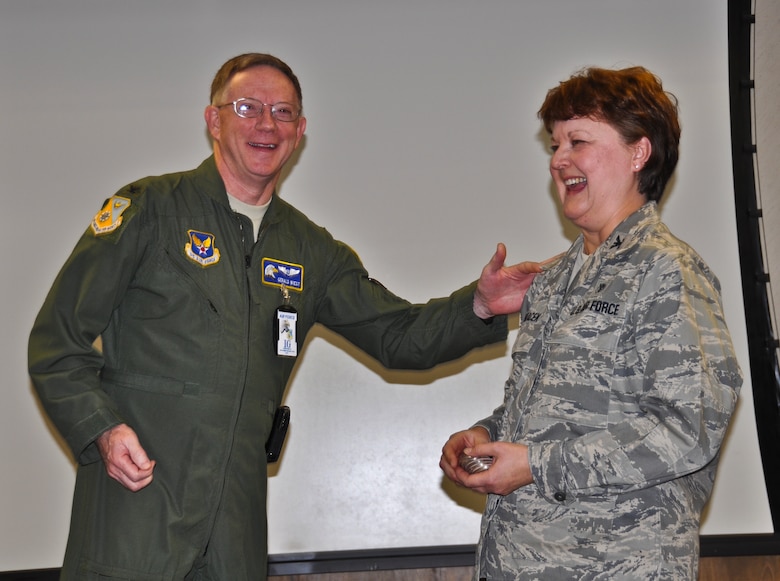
249 108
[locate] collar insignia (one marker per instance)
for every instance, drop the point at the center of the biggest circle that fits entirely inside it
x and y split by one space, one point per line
201 249
110 216
280 273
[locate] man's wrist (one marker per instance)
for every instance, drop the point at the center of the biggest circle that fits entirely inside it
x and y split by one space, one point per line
481 311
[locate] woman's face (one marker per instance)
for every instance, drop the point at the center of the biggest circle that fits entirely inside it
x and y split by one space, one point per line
596 175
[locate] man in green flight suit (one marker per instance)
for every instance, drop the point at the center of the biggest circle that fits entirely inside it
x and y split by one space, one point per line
184 277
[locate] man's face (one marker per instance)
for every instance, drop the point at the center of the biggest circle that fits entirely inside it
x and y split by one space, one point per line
254 150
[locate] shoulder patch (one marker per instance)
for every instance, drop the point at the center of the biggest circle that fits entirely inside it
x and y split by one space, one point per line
109 218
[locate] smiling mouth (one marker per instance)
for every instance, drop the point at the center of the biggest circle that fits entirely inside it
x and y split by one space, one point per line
575 185
262 145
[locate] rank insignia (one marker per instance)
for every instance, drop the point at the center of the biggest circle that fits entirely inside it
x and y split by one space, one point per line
282 274
110 216
201 249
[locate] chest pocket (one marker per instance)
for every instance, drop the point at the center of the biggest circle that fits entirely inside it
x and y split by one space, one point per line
573 388
594 324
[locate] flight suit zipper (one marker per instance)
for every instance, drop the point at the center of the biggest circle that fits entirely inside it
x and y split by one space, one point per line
247 260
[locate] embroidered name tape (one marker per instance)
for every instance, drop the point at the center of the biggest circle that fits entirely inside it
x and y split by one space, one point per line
110 216
280 273
201 248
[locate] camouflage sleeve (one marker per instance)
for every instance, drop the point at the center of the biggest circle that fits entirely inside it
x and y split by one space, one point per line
494 423
683 378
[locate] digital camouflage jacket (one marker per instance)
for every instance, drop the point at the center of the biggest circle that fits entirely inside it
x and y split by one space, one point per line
622 387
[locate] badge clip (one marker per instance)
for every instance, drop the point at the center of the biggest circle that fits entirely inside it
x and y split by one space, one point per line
285 327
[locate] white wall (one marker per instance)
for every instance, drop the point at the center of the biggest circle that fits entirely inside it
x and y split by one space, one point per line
423 151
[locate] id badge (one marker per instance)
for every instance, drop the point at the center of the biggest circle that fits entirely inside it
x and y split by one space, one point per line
286 327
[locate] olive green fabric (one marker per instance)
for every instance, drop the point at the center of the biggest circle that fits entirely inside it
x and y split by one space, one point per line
188 362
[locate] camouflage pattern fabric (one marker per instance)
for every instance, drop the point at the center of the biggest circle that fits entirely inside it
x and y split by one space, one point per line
623 385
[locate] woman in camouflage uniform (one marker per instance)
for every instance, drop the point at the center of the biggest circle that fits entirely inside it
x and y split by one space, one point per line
624 377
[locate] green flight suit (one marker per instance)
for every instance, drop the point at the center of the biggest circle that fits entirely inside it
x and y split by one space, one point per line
171 279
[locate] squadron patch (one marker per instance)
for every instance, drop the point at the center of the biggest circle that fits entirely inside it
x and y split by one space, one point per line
201 248
110 216
283 274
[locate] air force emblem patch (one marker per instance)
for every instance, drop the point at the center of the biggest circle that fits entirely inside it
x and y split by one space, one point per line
110 216
200 248
280 273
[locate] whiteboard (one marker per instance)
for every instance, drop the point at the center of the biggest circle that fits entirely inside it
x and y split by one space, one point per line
422 152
